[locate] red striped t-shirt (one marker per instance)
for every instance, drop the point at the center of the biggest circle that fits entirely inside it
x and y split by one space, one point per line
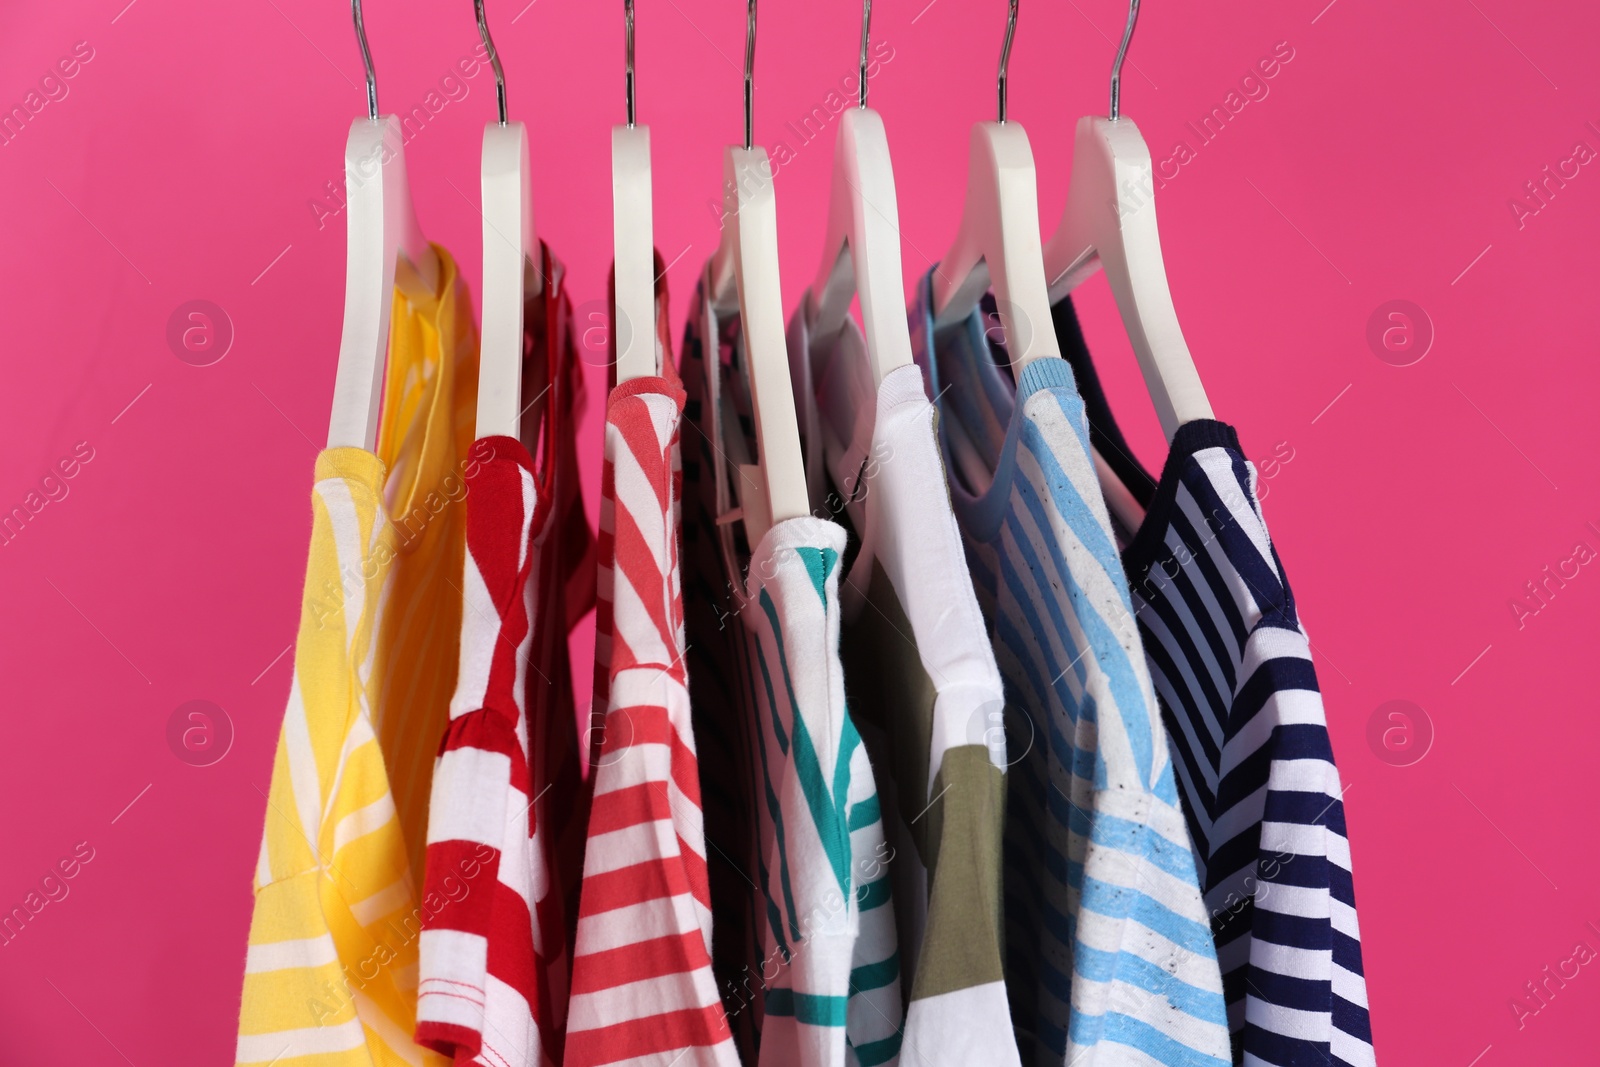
507 787
643 991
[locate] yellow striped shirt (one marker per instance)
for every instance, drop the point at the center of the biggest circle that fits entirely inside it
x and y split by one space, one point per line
430 407
331 971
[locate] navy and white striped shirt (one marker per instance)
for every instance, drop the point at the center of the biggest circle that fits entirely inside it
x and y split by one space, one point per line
1247 730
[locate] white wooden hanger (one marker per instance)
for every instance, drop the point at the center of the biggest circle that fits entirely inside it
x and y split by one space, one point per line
744 277
861 246
382 229
510 248
998 243
633 237
1110 222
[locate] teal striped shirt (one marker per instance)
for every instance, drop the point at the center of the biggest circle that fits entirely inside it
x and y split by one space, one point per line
763 633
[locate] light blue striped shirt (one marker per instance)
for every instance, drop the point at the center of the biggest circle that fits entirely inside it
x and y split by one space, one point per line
1109 951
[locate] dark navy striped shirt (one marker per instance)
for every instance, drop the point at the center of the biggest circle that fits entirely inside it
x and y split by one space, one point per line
1248 734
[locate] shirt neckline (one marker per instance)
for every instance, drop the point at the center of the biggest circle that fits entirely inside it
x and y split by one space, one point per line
1149 540
542 321
1158 496
982 511
1104 433
353 465
439 309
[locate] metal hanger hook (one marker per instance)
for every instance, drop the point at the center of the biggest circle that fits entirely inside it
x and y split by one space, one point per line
494 59
866 34
366 60
750 76
633 103
1005 56
1122 52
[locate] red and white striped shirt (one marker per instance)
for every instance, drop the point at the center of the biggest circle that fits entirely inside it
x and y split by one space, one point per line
643 991
507 787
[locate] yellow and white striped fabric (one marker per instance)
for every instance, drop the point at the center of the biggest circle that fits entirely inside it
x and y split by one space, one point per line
331 971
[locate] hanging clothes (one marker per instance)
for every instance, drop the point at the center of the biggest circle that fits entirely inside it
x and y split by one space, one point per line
643 990
424 437
804 883
1109 952
922 683
501 860
1239 695
330 974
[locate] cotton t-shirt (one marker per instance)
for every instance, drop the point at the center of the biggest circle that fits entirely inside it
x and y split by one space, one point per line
495 951
425 433
1109 954
807 958
922 681
643 991
331 971
1239 695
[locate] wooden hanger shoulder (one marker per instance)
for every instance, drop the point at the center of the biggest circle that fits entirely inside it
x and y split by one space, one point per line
744 274
509 242
998 245
1110 222
381 227
861 245
633 260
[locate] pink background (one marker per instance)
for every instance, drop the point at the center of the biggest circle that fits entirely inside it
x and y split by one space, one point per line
182 163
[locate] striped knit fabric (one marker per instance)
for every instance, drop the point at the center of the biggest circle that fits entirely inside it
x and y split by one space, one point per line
718 699
923 687
483 996
817 983
331 972
643 991
830 930
1110 958
1232 669
495 951
561 593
